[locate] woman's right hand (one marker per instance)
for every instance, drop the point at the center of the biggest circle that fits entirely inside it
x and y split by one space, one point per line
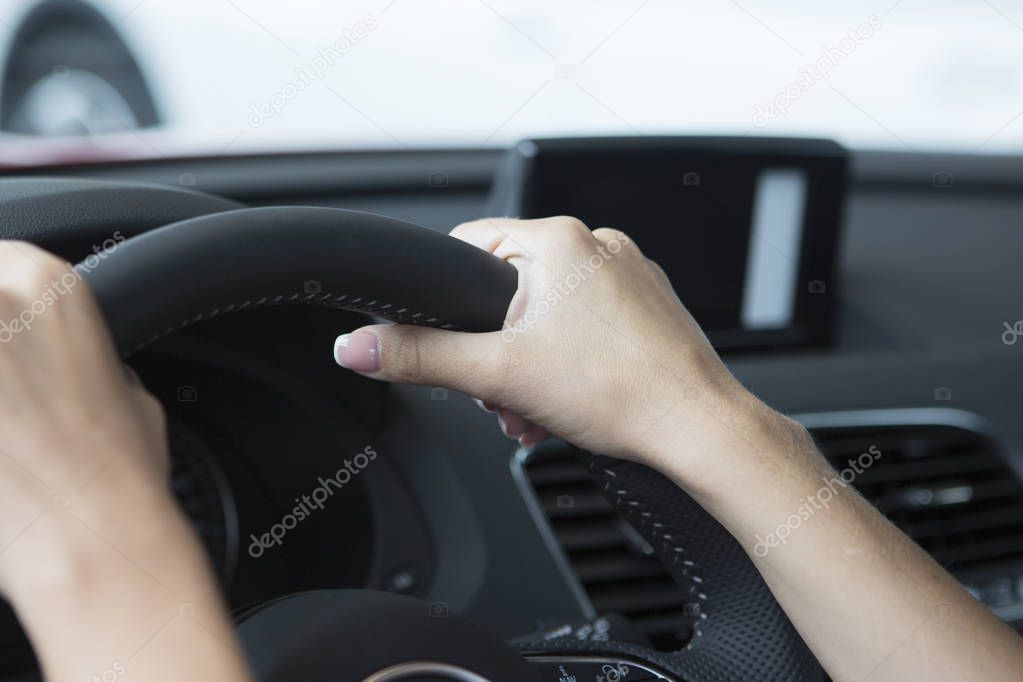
599 350
596 348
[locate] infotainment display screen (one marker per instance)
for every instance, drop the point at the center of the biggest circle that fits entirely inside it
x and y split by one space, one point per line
745 228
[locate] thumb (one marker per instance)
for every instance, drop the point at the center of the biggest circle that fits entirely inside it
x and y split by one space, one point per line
412 354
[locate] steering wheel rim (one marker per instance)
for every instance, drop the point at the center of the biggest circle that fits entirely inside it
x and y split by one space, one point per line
165 279
248 258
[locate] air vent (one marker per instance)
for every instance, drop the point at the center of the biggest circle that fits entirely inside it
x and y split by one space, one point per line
952 490
948 487
614 565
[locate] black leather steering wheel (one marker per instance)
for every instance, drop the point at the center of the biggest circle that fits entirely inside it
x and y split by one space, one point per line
215 258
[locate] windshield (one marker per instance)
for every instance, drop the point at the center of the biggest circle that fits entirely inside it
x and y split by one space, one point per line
227 76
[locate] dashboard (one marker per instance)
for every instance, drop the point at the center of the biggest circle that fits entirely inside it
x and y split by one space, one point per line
926 284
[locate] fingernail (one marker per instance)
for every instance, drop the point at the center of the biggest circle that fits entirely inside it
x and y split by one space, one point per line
512 424
503 426
533 437
358 351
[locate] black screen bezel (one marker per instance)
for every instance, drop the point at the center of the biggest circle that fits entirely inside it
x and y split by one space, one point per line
518 191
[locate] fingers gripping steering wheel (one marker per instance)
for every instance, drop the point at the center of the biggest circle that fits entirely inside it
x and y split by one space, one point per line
214 258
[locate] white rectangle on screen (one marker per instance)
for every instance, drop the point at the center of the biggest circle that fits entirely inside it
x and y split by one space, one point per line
772 262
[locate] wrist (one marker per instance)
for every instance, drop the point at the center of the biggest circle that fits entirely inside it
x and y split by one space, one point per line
74 549
723 440
92 596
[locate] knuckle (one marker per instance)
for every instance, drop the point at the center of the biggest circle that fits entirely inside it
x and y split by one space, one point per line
16 248
567 232
467 226
50 265
409 358
153 406
569 225
459 230
152 409
31 267
611 234
35 258
18 263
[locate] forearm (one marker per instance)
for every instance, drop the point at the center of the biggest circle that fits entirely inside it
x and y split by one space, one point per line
142 603
868 601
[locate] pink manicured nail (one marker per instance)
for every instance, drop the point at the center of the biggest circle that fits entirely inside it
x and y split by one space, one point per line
485 406
512 424
535 435
358 351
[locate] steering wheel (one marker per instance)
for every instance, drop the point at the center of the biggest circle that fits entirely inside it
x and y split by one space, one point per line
190 257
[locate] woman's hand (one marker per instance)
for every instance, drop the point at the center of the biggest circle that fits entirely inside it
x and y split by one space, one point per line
597 348
101 565
78 432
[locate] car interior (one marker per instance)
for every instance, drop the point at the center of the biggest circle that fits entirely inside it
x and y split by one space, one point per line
873 294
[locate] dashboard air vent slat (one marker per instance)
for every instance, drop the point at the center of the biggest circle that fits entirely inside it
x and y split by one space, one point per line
939 528
949 488
588 534
632 597
616 570
615 566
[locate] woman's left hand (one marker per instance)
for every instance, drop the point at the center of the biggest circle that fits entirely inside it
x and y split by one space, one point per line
81 440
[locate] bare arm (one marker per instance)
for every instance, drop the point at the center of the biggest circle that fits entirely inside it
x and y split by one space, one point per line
599 350
867 600
145 605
